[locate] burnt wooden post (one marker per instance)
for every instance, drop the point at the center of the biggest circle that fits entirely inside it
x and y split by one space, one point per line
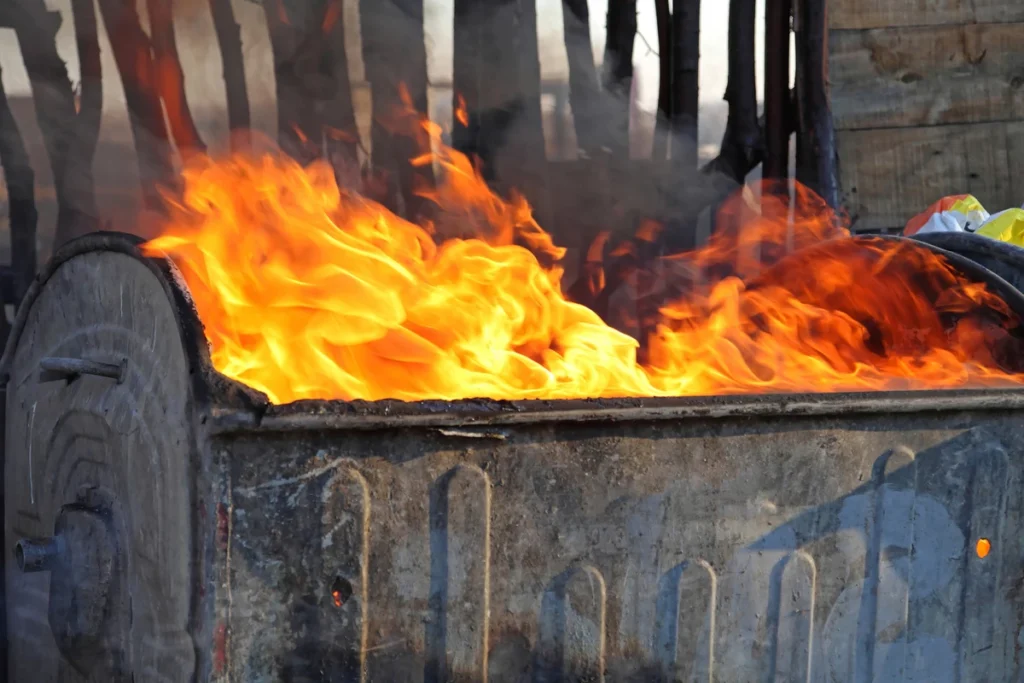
816 154
497 78
22 214
685 58
337 109
134 59
295 110
55 110
229 39
618 74
170 80
742 147
314 97
584 87
663 16
395 57
777 98
82 149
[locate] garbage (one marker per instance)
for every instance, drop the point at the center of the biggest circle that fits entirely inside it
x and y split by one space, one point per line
956 213
1005 226
964 213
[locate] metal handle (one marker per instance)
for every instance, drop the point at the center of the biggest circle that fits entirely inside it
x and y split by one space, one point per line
69 369
37 554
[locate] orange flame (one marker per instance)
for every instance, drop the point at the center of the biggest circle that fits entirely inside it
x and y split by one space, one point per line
461 114
308 291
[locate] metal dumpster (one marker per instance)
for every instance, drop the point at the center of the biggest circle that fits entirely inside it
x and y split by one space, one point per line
164 524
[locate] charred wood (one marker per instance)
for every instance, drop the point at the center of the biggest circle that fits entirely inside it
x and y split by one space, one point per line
778 14
54 101
82 148
661 125
395 57
301 75
337 111
618 72
134 59
170 79
584 86
742 145
495 65
229 39
685 53
90 94
816 154
22 214
314 96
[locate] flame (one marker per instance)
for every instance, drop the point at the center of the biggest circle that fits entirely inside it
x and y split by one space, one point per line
307 291
461 114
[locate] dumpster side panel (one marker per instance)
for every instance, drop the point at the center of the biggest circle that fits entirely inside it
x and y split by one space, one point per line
787 548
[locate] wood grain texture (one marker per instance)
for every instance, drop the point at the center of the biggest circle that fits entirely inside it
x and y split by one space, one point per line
892 174
927 75
846 14
131 438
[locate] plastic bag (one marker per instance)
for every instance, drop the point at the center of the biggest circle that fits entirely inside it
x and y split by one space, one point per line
1005 226
956 213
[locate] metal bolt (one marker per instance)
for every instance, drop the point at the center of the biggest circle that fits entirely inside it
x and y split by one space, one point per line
37 554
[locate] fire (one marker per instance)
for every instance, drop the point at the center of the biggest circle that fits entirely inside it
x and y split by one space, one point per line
307 291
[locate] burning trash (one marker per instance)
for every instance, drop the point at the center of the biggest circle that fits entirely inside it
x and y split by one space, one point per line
310 292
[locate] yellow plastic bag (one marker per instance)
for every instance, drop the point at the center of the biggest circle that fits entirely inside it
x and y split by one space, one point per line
1005 226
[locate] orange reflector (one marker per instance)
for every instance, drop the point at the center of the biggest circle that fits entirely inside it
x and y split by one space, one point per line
982 547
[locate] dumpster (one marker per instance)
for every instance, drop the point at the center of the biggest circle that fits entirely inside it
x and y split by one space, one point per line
163 523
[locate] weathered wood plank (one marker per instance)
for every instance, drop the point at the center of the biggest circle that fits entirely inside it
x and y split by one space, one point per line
845 14
927 75
892 174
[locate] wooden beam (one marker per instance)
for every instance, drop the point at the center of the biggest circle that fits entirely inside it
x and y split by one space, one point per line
865 14
886 78
891 174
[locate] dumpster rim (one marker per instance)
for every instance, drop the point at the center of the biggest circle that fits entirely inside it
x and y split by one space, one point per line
392 414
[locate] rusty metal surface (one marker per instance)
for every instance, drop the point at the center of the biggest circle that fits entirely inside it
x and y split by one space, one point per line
819 547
